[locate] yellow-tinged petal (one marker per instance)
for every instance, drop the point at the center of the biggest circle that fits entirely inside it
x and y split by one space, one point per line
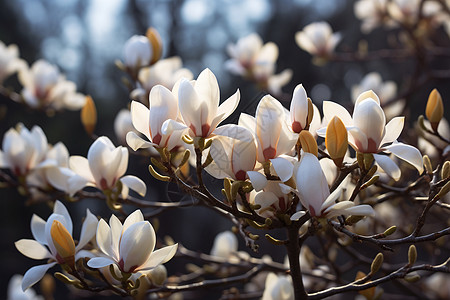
435 109
89 115
63 242
336 140
156 42
308 142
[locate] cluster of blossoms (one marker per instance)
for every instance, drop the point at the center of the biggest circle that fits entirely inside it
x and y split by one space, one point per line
127 248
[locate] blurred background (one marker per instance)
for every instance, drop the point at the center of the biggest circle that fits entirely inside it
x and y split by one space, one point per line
84 38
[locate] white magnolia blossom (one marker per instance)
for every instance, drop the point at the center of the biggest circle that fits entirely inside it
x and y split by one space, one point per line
369 132
385 90
165 72
15 291
130 246
225 245
43 245
278 287
318 39
270 128
105 166
153 122
45 87
372 13
250 58
137 51
23 150
9 61
314 193
233 153
198 101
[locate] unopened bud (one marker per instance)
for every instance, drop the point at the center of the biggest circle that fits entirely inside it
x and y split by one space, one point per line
89 115
310 112
336 140
390 230
351 220
445 172
308 142
427 164
158 275
435 109
412 255
63 243
412 277
156 43
368 160
376 263
444 190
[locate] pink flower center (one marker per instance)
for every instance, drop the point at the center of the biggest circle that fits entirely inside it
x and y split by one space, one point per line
269 153
296 127
240 175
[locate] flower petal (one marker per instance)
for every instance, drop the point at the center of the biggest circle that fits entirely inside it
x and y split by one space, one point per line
32 249
388 165
331 109
283 168
229 106
134 183
60 209
296 216
136 142
140 118
88 230
104 239
100 262
160 256
408 153
393 130
136 245
133 218
38 229
35 274
258 180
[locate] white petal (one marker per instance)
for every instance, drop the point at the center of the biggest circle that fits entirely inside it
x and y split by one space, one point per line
339 206
388 165
136 142
100 262
136 245
32 249
393 130
331 109
229 105
88 230
140 117
160 256
38 229
283 168
408 153
258 180
207 90
133 218
134 183
35 274
189 105
361 210
60 209
80 165
296 216
104 239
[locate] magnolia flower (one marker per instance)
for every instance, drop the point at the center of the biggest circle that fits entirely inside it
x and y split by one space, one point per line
250 58
137 51
9 61
314 193
165 72
233 153
270 129
199 104
15 291
152 122
104 166
278 288
53 241
386 91
372 13
129 246
318 39
369 132
23 150
45 87
273 199
225 245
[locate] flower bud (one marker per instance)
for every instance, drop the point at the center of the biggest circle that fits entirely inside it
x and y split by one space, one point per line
435 109
63 242
445 172
376 263
427 164
308 142
138 52
89 115
412 255
390 230
336 140
156 43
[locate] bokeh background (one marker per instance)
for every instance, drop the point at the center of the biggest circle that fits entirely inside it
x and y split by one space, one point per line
84 38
